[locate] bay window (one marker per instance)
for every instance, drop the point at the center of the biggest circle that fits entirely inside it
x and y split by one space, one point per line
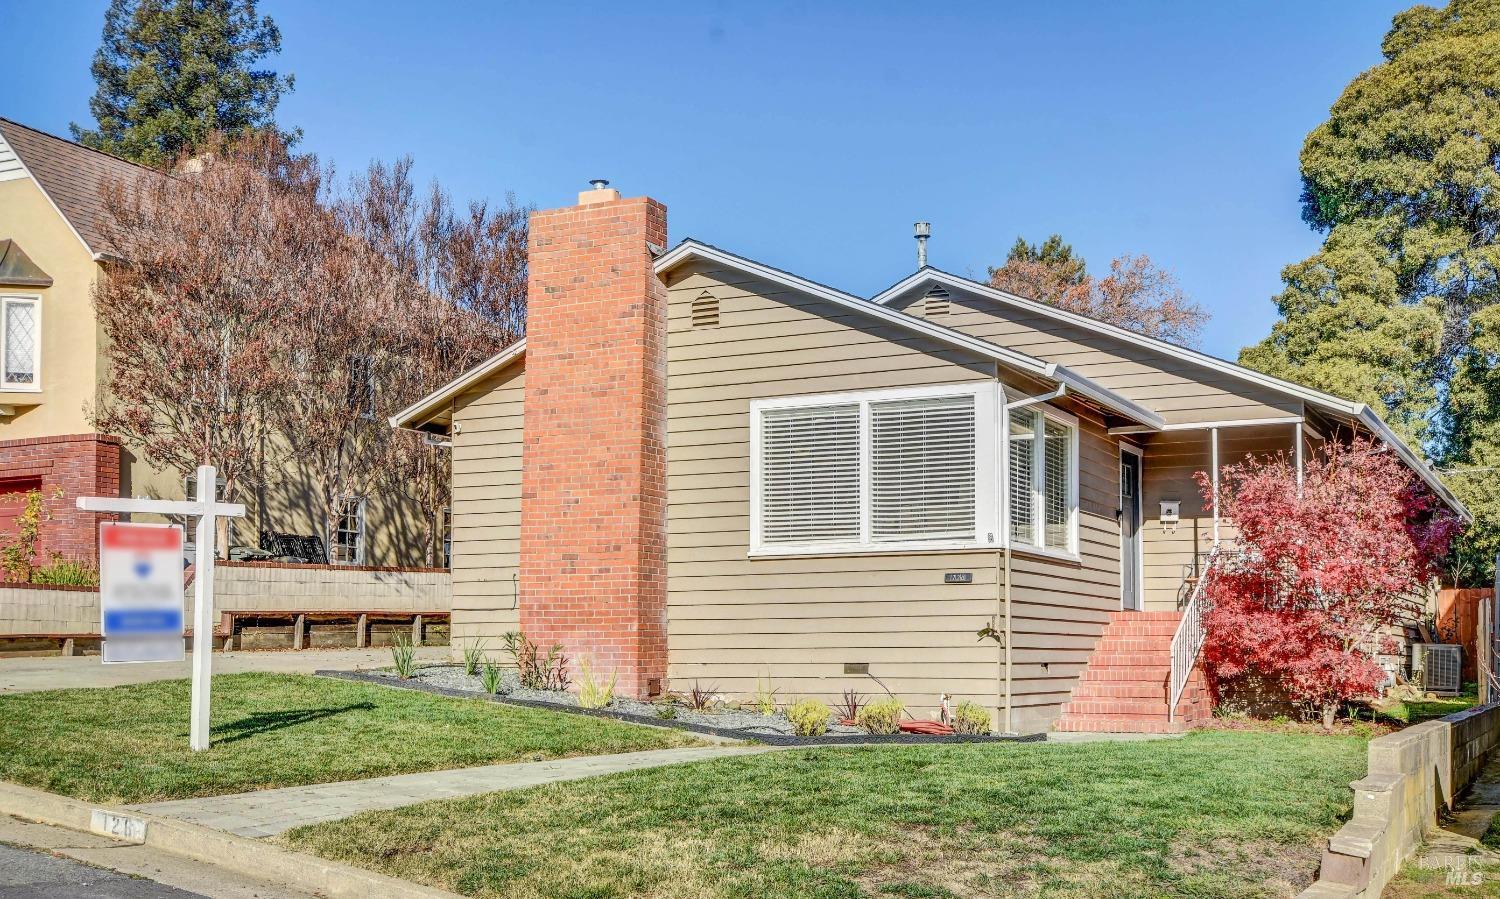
908 470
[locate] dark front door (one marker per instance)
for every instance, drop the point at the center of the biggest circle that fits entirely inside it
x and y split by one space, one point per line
1130 529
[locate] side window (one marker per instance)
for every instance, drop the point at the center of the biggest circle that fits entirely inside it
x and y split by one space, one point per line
349 533
20 343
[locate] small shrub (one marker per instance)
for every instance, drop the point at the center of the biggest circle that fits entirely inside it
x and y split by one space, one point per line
535 671
881 717
666 711
700 698
765 697
473 656
809 718
18 552
595 694
403 656
489 676
67 572
971 718
848 708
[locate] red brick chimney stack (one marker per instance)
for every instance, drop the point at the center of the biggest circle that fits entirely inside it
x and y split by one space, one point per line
593 483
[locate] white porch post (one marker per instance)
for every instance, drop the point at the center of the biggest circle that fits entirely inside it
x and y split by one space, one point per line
1298 452
1213 440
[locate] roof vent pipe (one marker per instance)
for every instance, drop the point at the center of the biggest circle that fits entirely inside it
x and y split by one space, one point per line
923 231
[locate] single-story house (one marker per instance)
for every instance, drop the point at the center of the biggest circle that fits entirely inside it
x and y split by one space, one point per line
697 468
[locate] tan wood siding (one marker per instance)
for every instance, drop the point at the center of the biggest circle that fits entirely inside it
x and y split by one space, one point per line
1179 390
797 620
487 509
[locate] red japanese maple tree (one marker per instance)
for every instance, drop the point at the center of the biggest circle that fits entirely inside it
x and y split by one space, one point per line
1318 578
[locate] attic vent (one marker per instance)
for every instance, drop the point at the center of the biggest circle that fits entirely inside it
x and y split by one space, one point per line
936 302
706 311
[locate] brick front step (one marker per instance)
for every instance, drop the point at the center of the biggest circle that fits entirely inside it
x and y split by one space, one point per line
1123 689
1119 724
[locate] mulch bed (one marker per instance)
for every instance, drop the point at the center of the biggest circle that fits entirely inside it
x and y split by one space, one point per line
758 736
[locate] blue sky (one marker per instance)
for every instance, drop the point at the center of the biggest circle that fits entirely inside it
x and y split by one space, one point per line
811 136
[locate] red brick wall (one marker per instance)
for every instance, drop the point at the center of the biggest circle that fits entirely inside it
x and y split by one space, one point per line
593 483
77 465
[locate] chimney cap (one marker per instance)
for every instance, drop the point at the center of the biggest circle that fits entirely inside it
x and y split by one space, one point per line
921 229
602 193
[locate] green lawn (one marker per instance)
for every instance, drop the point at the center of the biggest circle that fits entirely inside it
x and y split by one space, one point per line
130 744
1416 711
1210 815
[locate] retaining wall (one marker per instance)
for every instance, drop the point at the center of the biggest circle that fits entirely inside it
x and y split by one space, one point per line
244 586
1410 774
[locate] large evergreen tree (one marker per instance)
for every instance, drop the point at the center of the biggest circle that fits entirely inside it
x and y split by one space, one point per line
170 73
1401 306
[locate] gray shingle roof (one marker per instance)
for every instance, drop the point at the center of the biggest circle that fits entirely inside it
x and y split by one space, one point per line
72 175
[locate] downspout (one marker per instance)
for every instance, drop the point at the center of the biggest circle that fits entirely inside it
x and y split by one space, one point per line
1005 679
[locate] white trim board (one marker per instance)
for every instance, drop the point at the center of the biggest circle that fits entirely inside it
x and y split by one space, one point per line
925 277
433 401
691 249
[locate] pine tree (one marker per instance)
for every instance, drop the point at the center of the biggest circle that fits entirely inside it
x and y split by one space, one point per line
171 73
1401 306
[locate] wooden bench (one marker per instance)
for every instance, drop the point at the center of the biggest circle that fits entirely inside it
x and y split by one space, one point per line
301 617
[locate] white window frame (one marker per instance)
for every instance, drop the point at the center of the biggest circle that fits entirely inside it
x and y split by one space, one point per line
35 301
361 534
992 475
1039 545
986 441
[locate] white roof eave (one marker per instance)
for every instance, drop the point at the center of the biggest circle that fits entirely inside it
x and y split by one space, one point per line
423 410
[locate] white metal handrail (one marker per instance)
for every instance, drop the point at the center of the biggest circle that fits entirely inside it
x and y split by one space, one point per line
1187 642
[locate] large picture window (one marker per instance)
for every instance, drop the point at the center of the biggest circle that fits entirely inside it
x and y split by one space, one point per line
909 470
875 470
20 343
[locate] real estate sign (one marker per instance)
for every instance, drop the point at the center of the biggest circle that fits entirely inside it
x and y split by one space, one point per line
140 592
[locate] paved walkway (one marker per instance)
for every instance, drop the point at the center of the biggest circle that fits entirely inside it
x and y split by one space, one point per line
24 675
267 812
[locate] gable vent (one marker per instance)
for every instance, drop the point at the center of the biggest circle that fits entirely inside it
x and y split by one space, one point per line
706 311
935 302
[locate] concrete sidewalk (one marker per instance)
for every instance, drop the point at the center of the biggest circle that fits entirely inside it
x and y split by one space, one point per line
264 813
65 863
29 674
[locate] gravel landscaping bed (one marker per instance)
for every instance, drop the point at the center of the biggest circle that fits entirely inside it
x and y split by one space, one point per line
723 721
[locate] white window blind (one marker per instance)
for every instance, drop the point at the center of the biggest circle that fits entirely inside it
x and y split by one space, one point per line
1022 476
1042 479
1057 478
810 475
922 469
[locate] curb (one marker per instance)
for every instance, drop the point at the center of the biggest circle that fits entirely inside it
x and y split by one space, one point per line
241 855
727 733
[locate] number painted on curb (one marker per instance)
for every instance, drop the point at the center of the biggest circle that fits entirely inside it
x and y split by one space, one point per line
120 827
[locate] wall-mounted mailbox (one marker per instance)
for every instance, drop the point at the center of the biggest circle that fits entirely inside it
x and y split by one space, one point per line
1171 511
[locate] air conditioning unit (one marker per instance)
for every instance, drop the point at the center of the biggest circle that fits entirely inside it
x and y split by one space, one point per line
1438 667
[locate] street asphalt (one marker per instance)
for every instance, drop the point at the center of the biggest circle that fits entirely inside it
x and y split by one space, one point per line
27 874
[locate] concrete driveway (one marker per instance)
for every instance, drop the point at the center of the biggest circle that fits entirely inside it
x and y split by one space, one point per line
25 675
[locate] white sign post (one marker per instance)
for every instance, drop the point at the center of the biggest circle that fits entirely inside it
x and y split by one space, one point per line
208 510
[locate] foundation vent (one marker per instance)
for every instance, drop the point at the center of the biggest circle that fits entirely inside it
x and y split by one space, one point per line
706 311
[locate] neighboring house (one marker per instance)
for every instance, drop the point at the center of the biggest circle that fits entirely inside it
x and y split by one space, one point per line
53 365
697 468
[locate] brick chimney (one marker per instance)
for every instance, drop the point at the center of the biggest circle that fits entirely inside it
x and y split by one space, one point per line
593 482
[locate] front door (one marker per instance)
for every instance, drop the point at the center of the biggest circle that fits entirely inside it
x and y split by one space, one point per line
1130 528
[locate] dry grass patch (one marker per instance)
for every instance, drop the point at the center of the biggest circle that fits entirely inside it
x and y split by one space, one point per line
1094 821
